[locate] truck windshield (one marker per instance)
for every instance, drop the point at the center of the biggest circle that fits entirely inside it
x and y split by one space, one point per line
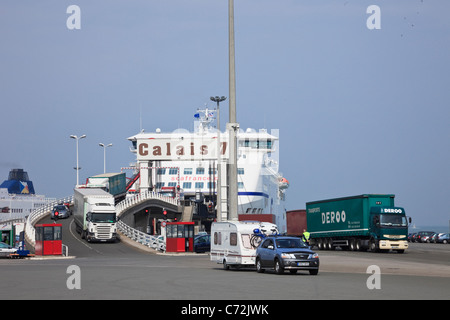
291 243
103 217
393 220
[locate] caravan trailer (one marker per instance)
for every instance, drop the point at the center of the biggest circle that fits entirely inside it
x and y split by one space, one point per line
231 242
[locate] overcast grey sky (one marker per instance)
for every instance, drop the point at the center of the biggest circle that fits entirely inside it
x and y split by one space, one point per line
359 110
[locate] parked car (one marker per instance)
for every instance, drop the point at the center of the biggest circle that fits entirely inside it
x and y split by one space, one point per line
286 253
411 237
435 236
60 211
443 238
202 243
6 249
423 236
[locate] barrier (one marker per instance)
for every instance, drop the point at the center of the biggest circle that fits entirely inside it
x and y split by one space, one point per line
154 242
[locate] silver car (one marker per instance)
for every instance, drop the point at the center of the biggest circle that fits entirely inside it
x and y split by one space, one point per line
60 211
6 249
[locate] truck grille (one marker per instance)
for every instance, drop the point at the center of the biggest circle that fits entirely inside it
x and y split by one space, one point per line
103 232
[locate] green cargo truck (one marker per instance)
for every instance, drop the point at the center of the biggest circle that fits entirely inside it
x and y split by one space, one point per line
368 221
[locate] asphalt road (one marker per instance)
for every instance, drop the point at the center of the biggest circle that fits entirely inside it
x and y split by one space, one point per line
120 271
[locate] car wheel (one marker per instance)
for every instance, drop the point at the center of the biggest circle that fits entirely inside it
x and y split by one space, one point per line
259 269
278 267
314 272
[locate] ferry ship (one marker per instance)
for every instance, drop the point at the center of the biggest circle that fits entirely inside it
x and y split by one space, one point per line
187 162
18 198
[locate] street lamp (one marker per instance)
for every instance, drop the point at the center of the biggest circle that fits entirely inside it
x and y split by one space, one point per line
104 154
218 99
77 138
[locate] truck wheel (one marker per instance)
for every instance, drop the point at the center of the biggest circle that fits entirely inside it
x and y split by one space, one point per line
278 267
352 245
329 244
225 265
320 244
373 245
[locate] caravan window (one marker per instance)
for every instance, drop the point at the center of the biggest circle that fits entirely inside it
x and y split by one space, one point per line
233 239
217 238
246 241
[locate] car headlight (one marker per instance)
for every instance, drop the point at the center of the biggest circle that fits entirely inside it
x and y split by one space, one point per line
313 256
287 256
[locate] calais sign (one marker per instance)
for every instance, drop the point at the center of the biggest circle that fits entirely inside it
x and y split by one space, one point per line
189 148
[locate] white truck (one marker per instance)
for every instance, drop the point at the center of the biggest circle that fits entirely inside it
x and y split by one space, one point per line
95 214
233 242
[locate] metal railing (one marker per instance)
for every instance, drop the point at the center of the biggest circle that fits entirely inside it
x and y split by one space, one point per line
141 197
154 242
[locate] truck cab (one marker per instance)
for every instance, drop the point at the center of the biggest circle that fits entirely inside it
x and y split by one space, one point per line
388 229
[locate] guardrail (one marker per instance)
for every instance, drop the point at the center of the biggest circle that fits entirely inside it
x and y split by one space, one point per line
37 215
150 241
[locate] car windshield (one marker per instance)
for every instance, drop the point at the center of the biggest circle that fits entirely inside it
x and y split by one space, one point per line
60 208
4 245
291 243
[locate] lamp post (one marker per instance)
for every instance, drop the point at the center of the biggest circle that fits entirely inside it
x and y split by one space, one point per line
104 154
232 126
77 139
218 99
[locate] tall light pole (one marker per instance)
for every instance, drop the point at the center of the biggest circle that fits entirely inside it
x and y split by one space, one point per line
218 99
104 154
77 139
232 126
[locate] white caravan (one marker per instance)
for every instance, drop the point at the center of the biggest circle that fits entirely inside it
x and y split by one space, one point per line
231 242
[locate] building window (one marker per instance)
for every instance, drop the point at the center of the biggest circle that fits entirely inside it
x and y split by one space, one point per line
200 170
240 171
173 171
240 185
159 185
161 171
172 184
187 185
199 185
187 170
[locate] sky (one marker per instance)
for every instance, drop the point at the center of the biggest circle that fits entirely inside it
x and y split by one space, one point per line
361 97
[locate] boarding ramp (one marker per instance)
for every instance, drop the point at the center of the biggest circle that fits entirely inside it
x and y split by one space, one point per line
39 214
127 208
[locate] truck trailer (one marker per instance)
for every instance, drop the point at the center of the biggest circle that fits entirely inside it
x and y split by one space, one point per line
95 214
114 183
368 221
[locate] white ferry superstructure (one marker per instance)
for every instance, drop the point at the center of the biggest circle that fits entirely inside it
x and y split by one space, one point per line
261 187
17 197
